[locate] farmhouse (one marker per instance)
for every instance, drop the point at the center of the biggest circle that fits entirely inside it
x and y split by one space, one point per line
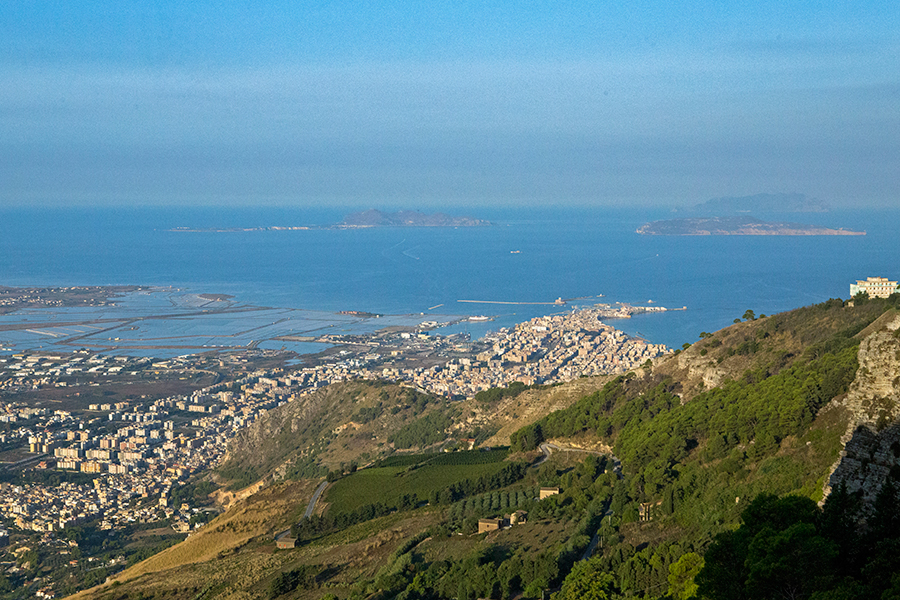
546 492
485 525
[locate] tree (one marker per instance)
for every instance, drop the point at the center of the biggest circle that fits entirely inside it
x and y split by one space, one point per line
840 518
749 315
681 576
619 499
777 552
528 438
885 522
588 581
668 503
791 563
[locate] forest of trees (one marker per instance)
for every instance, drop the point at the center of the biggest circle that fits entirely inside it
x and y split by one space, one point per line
790 548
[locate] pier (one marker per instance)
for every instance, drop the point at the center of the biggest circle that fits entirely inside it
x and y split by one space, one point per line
557 302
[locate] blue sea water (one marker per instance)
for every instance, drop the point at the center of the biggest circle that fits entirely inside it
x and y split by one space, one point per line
570 253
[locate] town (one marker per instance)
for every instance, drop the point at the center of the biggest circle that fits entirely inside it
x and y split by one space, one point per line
134 454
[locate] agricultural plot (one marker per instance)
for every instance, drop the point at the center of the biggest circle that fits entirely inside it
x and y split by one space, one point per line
388 484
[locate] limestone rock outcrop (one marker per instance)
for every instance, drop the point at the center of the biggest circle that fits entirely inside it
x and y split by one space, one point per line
872 441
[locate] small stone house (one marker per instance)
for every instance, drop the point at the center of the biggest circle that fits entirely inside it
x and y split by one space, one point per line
546 492
485 525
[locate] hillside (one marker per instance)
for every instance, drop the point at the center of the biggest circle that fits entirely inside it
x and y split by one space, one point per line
353 422
262 514
359 422
802 403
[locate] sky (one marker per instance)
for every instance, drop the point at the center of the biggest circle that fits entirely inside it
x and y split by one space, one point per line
442 104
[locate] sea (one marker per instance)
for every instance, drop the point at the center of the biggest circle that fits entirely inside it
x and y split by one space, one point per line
528 258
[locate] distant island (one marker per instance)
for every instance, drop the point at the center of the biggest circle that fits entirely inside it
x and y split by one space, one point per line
407 218
735 226
757 203
360 220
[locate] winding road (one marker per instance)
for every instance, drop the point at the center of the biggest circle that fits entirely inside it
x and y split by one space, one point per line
309 509
315 498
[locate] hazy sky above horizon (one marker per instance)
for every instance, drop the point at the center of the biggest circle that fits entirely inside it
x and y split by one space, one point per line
436 104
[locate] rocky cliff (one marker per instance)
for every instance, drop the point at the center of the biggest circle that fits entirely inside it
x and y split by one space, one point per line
871 451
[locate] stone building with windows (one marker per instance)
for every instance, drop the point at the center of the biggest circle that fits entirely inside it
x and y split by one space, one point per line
875 287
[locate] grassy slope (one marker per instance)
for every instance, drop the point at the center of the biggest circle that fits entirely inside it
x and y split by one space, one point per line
245 571
264 513
771 343
513 413
328 427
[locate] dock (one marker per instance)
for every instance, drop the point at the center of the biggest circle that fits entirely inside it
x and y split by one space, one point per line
557 302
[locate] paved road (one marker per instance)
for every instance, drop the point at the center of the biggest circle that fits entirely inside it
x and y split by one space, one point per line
314 499
309 508
589 551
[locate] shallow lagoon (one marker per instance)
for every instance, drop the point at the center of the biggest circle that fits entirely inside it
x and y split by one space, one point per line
164 323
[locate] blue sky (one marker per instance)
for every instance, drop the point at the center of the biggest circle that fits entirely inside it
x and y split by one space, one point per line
436 104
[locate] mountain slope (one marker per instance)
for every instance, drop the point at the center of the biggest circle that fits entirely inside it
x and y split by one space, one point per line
342 423
762 406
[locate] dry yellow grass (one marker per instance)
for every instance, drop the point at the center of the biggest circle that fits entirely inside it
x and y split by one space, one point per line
266 512
245 572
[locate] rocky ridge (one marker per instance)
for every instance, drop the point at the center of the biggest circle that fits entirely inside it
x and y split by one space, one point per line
872 441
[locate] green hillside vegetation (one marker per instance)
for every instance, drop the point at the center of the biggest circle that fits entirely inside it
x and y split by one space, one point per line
356 421
526 558
717 488
698 463
771 343
409 484
790 548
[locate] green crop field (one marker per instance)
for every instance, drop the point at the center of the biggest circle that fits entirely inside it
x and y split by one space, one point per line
471 457
388 484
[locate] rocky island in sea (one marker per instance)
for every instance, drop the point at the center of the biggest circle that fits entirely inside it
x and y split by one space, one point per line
407 218
362 219
735 226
